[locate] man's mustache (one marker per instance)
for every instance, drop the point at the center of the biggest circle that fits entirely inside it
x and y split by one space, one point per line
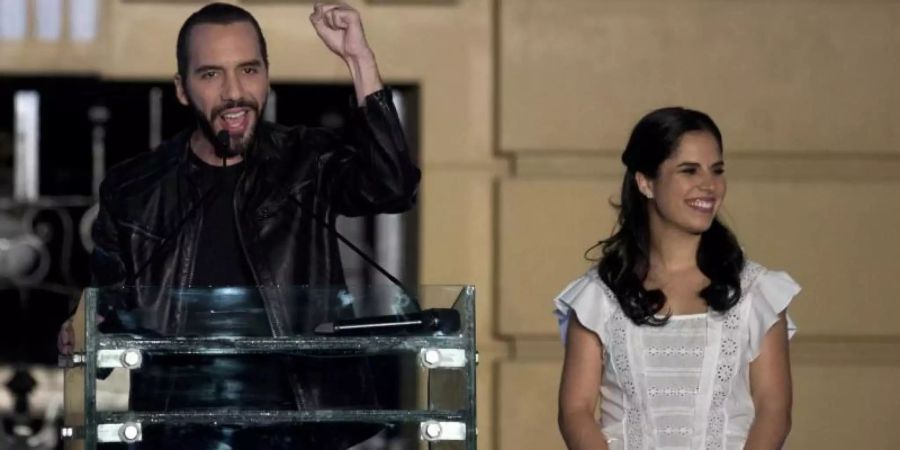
239 103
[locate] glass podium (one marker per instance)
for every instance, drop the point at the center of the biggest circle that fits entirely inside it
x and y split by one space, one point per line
279 367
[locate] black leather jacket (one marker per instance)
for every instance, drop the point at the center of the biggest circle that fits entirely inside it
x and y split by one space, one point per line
295 183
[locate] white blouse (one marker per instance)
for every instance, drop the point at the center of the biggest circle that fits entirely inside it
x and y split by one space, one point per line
685 385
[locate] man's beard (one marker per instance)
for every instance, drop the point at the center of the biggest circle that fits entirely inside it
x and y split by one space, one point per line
232 145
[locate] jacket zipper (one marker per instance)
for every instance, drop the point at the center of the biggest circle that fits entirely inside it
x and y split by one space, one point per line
277 326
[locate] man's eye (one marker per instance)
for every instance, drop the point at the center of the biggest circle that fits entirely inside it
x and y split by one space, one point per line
251 70
208 75
689 170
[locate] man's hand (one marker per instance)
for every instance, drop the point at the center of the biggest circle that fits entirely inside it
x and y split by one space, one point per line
66 338
65 341
340 28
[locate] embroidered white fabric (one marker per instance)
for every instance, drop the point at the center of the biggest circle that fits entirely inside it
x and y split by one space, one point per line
684 385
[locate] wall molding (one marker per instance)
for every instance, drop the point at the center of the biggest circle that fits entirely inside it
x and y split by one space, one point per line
743 165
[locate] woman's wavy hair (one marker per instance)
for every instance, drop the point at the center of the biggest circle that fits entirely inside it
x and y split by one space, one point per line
625 258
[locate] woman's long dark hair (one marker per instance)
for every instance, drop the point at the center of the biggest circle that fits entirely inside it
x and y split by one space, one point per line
625 259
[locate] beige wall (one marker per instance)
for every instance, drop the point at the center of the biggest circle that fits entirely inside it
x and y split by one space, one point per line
525 105
805 94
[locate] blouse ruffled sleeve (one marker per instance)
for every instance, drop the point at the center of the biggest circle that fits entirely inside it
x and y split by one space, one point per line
589 300
771 293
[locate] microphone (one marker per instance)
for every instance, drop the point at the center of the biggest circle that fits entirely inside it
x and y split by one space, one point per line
220 146
331 228
429 321
424 321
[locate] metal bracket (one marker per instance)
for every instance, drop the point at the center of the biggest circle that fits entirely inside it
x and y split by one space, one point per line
114 359
127 432
434 431
71 433
70 361
442 358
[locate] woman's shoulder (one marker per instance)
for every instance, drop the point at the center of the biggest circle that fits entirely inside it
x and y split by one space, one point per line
589 285
755 276
751 272
589 299
769 293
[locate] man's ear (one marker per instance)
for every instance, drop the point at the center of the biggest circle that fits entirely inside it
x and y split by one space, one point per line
645 184
180 91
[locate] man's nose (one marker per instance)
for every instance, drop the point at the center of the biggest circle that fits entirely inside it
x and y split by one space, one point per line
232 88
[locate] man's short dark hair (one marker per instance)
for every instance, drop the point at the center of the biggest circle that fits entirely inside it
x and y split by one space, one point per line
218 14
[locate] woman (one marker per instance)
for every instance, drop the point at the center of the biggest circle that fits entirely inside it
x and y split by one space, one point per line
682 341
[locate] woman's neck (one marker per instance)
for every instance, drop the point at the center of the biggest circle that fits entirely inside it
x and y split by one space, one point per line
671 249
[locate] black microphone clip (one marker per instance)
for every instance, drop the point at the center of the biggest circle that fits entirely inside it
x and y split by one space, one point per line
220 146
429 321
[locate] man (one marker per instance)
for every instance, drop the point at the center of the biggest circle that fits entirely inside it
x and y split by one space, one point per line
236 201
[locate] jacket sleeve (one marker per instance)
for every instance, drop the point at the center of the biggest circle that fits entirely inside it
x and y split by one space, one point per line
371 172
107 266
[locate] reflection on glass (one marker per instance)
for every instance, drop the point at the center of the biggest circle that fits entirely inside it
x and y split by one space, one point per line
229 366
